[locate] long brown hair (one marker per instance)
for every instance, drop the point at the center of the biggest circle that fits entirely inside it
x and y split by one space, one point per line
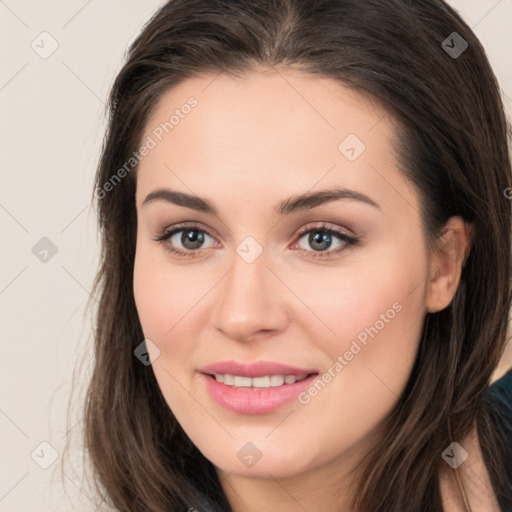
453 147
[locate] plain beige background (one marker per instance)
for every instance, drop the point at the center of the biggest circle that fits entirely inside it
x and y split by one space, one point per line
52 125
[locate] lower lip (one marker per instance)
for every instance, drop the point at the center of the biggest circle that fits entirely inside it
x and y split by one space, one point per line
255 400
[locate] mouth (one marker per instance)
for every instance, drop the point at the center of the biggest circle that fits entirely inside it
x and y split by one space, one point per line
256 388
239 370
265 381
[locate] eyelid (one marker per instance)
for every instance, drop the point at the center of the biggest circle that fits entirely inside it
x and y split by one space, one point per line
168 231
326 226
182 226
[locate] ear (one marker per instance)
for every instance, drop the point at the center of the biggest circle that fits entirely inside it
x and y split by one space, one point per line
446 263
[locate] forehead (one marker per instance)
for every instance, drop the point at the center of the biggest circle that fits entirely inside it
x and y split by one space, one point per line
281 128
274 104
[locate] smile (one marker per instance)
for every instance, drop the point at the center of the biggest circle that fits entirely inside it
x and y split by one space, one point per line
255 388
265 381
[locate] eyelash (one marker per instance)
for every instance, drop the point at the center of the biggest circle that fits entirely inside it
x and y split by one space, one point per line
350 241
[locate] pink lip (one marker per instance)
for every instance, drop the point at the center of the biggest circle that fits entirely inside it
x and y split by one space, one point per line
257 369
254 400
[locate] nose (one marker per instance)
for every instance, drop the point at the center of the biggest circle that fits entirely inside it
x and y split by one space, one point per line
251 301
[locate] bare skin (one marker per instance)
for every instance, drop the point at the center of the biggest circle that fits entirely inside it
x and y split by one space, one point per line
249 144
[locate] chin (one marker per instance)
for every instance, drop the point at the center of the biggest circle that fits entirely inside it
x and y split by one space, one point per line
265 464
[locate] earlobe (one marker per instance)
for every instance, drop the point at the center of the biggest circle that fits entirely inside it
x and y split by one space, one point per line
446 264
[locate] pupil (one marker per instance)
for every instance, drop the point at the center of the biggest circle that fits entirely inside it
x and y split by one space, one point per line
192 239
320 237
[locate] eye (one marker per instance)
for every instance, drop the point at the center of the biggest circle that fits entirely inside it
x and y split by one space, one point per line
323 237
188 240
185 240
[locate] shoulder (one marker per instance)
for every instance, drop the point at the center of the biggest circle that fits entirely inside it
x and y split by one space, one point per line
499 400
499 396
475 475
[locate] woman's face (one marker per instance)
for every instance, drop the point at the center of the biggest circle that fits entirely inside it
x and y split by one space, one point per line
243 168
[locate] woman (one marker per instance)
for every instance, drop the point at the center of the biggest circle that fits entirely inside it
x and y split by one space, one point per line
306 264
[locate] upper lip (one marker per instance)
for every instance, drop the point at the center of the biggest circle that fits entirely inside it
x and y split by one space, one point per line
256 369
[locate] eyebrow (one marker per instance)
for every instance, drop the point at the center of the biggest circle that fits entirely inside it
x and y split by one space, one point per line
293 204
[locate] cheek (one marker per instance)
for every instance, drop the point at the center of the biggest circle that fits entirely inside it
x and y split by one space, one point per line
165 299
150 291
370 297
368 320
172 302
370 360
376 320
165 294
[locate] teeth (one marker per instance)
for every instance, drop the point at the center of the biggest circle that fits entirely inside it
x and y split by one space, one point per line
276 380
242 381
266 381
260 382
228 379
